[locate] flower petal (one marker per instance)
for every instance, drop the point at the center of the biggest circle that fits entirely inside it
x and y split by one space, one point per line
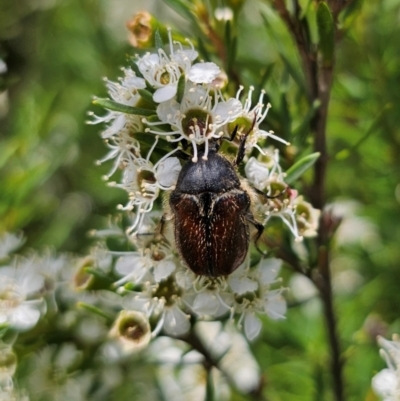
228 111
165 93
384 383
203 73
275 305
257 173
25 316
168 171
176 322
128 264
169 112
252 325
206 303
241 285
163 269
269 269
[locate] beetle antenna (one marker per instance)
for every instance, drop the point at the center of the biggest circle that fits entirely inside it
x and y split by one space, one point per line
260 229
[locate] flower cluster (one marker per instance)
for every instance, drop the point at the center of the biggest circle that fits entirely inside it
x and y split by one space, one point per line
386 383
28 286
165 110
21 300
167 292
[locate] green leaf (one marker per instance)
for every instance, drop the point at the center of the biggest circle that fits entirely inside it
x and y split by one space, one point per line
183 9
326 31
286 117
95 310
97 273
158 40
232 53
135 67
293 71
230 45
122 108
210 396
373 129
147 139
3 329
181 88
301 132
202 49
351 12
265 76
300 167
147 96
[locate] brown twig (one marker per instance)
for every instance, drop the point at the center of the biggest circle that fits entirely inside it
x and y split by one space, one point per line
319 83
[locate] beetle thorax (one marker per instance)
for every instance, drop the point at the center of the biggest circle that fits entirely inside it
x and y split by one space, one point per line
216 174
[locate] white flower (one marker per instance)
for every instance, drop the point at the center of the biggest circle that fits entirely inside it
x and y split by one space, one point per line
133 267
20 302
143 181
153 264
163 71
122 145
307 217
9 243
160 295
209 297
203 73
124 92
253 295
386 383
250 120
167 172
198 118
176 322
257 173
261 176
280 198
52 375
162 300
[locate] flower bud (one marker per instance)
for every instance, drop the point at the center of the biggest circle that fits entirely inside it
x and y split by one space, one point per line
8 362
141 29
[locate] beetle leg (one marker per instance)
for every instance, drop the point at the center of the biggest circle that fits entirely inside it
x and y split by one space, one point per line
260 229
240 153
242 145
160 228
161 225
234 132
268 196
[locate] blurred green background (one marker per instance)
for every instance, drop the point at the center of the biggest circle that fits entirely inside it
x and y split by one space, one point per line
56 53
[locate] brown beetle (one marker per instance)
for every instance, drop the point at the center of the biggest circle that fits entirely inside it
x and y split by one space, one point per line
212 214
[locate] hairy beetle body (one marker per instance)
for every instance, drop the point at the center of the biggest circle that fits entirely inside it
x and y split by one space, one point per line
211 214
